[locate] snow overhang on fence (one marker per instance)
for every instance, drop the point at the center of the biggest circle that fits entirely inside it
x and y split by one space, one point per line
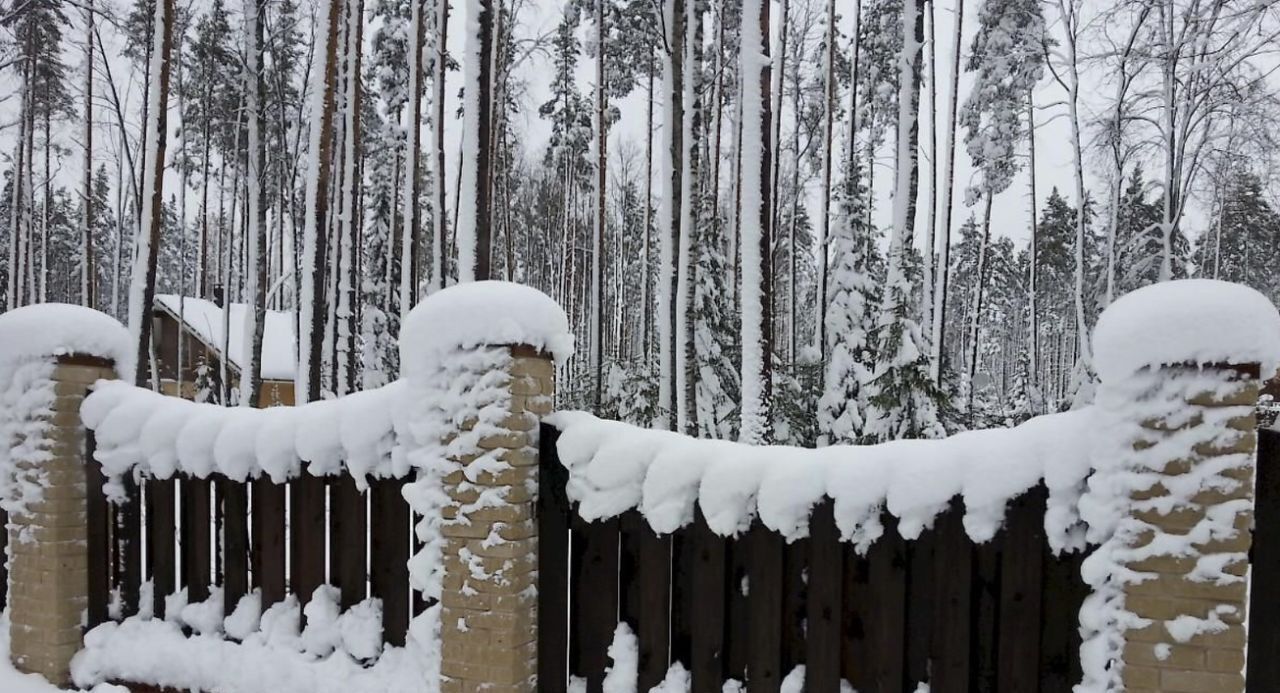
487 313
1190 321
49 330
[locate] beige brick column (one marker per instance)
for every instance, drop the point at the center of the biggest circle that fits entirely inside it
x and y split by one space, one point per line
48 593
1211 587
489 618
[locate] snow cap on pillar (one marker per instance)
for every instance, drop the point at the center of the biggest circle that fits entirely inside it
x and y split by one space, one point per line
1189 321
62 329
484 313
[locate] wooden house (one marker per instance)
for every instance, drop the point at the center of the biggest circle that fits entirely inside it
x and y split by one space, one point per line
192 334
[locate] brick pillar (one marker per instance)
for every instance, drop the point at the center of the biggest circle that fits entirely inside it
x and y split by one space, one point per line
48 593
489 618
1173 588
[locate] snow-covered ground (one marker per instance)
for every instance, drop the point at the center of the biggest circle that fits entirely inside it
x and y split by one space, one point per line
14 681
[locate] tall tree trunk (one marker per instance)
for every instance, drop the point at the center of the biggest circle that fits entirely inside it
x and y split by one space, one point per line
88 270
979 287
669 215
691 127
411 187
778 79
14 293
345 328
647 272
255 269
142 288
311 303
755 225
439 259
1033 318
931 225
474 247
597 235
944 250
824 218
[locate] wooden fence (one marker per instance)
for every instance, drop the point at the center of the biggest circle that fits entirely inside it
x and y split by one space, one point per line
1263 674
281 539
995 617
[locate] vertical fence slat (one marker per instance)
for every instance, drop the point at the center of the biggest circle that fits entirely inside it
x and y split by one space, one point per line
307 535
681 603
765 601
986 613
887 625
162 528
128 545
646 592
706 590
349 542
920 592
953 579
826 575
738 619
596 584
235 542
1021 573
553 566
795 564
389 554
197 515
268 540
98 550
855 652
1059 621
1264 609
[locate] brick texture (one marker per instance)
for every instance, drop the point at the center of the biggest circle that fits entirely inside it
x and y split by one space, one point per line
48 592
489 616
1209 662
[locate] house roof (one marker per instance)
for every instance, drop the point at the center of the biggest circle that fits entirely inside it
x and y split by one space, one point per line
204 320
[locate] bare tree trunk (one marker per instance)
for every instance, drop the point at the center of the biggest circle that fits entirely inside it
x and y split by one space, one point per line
1033 318
828 140
979 284
142 290
88 271
474 214
256 214
439 258
669 235
647 298
944 251
311 302
411 187
597 236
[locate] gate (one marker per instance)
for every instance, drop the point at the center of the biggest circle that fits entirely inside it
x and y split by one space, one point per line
1264 559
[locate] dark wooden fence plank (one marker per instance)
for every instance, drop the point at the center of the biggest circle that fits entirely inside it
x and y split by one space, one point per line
887 623
986 613
268 540
235 542
645 572
553 562
98 549
1021 572
738 617
1059 622
825 599
306 536
1264 608
706 590
162 529
795 564
920 594
595 582
765 602
349 543
855 651
128 546
389 555
196 517
953 580
682 560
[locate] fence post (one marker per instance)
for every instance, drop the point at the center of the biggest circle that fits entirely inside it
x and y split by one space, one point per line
1193 604
49 540
489 617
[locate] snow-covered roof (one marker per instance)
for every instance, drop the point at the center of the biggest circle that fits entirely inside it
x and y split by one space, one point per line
204 319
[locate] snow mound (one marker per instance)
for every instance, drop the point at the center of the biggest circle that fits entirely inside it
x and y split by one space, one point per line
486 313
57 329
614 467
1199 321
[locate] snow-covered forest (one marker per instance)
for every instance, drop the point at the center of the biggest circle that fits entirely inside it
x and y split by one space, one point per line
793 221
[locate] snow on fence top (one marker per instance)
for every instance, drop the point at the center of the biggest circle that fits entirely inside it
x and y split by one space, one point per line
465 316
57 329
614 467
362 434
1198 321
